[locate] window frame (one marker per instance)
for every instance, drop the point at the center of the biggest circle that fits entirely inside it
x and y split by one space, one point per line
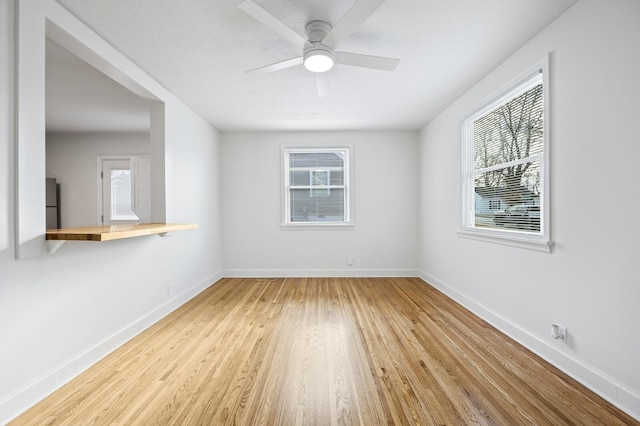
348 222
111 162
540 241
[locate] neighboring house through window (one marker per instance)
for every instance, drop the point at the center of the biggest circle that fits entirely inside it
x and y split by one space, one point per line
495 205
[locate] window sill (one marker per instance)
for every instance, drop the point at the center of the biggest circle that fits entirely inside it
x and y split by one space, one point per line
316 226
526 242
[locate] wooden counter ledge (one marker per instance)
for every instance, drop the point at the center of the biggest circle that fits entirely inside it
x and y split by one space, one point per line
115 232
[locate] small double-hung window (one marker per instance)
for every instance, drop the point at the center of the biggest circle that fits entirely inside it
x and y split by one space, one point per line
505 166
316 186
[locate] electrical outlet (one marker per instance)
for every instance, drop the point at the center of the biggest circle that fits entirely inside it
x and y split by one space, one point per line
170 290
350 261
358 262
559 332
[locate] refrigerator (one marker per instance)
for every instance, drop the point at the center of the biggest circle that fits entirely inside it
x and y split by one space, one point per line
52 204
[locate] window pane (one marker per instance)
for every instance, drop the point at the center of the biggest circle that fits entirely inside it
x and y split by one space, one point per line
511 132
330 159
121 195
320 178
332 207
509 198
315 159
299 177
302 159
307 207
336 177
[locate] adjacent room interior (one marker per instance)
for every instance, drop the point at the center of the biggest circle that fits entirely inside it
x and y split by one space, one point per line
436 218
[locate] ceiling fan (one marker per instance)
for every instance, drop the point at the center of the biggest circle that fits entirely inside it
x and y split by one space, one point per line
318 54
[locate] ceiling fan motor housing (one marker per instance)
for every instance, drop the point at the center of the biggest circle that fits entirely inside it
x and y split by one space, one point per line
317 31
317 56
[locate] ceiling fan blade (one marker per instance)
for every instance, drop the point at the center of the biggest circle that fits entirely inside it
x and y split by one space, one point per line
278 65
366 61
350 22
271 22
322 84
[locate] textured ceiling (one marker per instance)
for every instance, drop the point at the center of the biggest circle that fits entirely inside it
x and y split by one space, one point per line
200 50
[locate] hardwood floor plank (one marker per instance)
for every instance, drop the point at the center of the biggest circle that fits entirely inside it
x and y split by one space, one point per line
322 351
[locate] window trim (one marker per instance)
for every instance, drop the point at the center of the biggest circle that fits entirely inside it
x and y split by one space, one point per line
539 242
348 223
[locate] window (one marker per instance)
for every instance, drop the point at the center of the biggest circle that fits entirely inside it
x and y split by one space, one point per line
116 192
505 155
316 183
124 185
120 182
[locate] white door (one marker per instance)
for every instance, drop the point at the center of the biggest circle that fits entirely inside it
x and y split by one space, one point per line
116 192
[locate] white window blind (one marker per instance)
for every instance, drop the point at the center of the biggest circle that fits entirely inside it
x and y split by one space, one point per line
316 185
504 163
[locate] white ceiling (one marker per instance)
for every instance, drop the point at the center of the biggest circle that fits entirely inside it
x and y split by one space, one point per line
200 50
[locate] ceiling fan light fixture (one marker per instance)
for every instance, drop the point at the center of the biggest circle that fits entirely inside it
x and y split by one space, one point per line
318 59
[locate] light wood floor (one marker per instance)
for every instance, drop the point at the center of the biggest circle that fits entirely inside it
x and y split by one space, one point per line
323 351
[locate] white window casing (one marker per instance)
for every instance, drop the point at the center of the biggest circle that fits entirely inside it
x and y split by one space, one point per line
317 189
505 165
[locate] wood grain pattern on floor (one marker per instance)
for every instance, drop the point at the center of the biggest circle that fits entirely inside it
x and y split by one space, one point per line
322 351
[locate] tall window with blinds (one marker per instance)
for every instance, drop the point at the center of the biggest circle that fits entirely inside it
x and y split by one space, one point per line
316 186
504 163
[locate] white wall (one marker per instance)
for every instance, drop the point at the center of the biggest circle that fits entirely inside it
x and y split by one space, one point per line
72 160
385 207
61 313
590 283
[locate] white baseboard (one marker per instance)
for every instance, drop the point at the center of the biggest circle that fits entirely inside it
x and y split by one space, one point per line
599 382
28 395
288 273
